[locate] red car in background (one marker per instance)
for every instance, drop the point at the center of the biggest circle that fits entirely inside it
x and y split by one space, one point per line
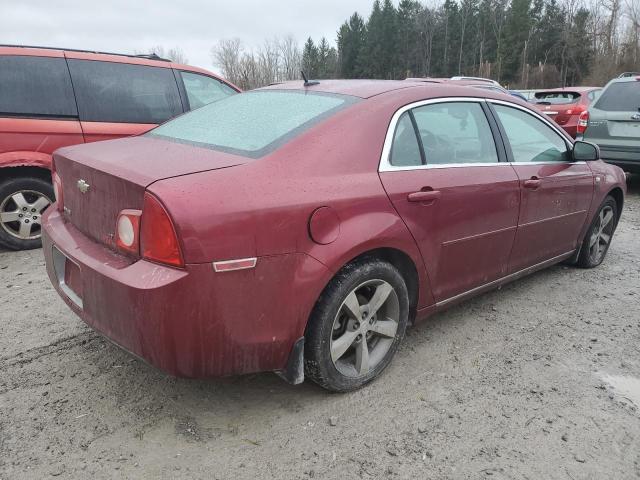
300 228
51 98
564 105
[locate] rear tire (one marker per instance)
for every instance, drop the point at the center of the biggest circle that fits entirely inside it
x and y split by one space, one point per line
22 202
599 235
356 326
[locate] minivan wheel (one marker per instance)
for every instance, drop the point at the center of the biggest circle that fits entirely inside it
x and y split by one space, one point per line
22 202
598 238
356 325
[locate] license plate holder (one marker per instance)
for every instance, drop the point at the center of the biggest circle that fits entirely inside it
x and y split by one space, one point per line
68 275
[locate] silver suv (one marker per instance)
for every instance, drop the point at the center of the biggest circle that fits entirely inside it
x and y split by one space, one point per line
613 123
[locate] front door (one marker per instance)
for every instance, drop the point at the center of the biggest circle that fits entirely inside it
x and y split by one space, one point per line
457 198
556 192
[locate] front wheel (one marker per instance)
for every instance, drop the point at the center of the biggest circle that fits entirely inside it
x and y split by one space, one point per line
598 238
22 202
356 325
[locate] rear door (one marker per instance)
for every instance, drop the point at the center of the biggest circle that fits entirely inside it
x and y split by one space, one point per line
555 191
449 183
119 99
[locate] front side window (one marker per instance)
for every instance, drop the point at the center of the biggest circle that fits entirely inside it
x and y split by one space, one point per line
252 123
531 140
35 87
202 90
455 132
120 92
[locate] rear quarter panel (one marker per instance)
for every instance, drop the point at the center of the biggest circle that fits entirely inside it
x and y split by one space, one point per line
263 207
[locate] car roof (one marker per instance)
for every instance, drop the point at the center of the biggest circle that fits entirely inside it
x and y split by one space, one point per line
145 59
410 90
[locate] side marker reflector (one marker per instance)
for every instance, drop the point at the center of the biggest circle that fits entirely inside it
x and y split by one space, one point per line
231 265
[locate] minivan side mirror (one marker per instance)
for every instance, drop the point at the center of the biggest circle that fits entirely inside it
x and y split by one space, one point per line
585 151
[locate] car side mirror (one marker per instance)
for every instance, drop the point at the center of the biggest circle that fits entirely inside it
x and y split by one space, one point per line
585 151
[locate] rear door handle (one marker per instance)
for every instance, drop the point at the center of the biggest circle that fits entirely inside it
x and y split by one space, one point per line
533 183
424 196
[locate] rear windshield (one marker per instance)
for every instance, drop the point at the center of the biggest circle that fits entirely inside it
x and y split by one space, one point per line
556 98
620 97
252 124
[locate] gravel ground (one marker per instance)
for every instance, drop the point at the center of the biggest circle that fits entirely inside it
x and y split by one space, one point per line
540 379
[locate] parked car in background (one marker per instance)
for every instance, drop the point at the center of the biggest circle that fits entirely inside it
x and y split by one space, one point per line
299 229
529 95
564 105
50 98
476 82
613 123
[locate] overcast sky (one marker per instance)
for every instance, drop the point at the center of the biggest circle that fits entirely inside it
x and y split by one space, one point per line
128 26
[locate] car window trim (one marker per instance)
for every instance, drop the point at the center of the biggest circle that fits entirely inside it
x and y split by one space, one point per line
386 166
490 102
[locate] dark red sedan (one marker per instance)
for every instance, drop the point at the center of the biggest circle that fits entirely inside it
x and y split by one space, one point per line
299 229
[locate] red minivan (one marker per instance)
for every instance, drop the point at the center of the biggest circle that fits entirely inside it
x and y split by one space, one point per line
51 98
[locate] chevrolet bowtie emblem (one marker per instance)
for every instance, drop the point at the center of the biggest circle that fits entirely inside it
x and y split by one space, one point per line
83 186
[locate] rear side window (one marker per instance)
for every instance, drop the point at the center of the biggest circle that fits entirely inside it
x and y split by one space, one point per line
119 92
35 87
253 123
456 132
557 98
405 151
203 90
620 97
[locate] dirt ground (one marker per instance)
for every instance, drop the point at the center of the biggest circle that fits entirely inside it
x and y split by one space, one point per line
539 380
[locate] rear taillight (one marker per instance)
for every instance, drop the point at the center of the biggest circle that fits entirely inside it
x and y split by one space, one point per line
57 191
128 231
583 122
158 239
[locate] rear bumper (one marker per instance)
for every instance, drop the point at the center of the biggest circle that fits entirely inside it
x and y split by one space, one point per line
192 322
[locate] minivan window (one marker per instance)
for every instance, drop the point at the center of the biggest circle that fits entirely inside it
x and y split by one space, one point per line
455 132
203 90
253 123
120 92
620 97
35 87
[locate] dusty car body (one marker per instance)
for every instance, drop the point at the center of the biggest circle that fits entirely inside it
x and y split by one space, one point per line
261 239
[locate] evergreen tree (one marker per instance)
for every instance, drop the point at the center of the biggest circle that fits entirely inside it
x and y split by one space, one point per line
310 59
350 43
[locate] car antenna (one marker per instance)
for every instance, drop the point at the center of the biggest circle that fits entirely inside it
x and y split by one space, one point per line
307 82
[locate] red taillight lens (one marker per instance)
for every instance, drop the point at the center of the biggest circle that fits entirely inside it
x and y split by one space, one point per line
57 191
158 239
583 122
128 231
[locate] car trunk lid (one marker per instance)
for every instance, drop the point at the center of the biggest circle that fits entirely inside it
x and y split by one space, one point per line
101 179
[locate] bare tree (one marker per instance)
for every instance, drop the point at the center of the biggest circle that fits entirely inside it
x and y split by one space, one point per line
174 54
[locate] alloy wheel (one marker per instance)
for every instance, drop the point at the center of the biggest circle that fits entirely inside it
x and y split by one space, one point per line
21 214
601 234
364 328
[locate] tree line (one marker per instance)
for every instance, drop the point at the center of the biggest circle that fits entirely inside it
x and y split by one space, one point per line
520 43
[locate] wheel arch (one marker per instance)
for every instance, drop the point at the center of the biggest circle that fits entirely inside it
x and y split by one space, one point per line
18 171
618 196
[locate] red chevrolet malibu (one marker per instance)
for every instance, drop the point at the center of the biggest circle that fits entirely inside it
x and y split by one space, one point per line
300 228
